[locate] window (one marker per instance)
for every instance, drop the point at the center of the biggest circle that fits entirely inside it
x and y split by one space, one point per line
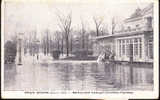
127 47
150 48
132 46
129 28
137 25
149 21
135 47
140 48
123 47
150 51
120 48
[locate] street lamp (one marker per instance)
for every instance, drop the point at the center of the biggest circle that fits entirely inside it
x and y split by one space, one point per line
37 48
20 49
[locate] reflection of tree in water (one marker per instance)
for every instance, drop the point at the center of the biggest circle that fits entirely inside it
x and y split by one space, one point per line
9 75
56 65
109 73
80 73
43 64
97 74
65 72
103 75
94 68
94 71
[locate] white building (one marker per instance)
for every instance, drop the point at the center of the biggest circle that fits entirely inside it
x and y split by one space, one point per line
136 40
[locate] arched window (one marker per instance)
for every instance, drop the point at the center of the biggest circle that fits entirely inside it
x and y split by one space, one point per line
137 25
129 28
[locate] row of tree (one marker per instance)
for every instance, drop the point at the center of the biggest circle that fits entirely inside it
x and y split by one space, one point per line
64 38
65 26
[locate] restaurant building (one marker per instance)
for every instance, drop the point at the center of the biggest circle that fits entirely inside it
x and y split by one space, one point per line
135 41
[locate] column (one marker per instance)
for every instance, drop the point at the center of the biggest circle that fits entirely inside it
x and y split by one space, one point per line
20 52
132 41
144 48
117 49
125 49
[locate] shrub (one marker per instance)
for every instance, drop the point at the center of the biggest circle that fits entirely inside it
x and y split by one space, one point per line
10 51
80 53
90 52
55 54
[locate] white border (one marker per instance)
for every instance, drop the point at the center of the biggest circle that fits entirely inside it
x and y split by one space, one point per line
136 94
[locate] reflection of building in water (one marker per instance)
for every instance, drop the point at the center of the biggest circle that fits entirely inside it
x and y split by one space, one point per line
135 41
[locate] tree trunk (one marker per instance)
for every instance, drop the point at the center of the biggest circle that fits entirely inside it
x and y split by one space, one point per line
58 45
67 45
83 41
62 47
71 44
97 31
87 43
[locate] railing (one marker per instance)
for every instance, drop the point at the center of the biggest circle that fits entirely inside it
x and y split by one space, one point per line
144 28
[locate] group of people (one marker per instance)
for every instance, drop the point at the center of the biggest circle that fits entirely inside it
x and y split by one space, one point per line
106 56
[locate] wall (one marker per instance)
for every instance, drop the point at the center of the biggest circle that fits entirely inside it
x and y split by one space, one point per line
132 24
146 38
125 57
142 21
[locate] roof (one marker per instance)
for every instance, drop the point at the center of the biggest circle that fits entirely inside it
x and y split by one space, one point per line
137 14
140 12
146 9
124 34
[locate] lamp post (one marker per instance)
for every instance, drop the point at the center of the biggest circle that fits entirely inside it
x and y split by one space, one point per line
20 49
37 48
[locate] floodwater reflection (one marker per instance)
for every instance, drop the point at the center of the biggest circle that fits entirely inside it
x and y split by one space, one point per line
78 76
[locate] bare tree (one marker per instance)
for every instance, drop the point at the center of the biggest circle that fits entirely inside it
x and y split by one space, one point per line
57 39
65 26
121 25
71 43
47 41
83 31
62 44
104 29
98 22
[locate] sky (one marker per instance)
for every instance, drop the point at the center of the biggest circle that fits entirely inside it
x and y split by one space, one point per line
40 15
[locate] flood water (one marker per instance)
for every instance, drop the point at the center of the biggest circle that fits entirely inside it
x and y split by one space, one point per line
86 76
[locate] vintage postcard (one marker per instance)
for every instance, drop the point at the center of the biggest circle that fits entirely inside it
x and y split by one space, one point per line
100 49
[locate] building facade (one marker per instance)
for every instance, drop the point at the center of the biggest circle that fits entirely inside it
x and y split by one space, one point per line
135 41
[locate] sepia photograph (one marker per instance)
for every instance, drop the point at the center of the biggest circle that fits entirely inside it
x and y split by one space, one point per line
102 47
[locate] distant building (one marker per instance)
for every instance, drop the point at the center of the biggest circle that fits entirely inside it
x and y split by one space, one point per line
136 40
